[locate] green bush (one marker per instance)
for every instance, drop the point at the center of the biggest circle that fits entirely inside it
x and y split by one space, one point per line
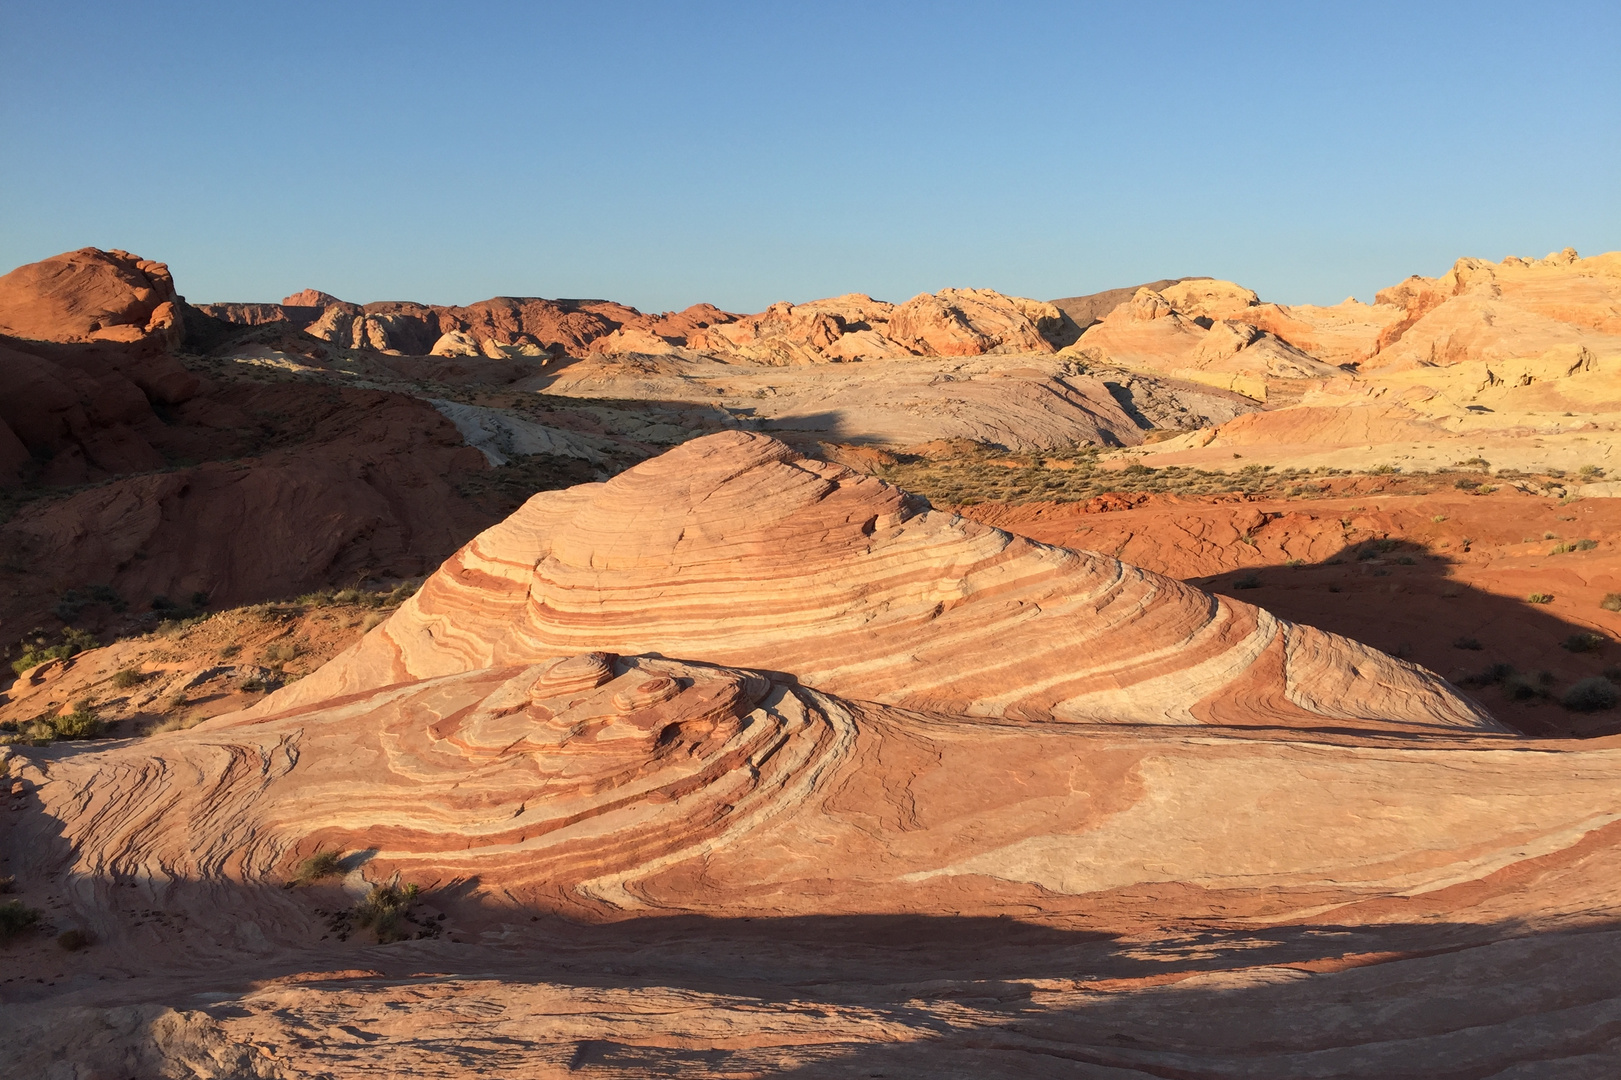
1540 598
1585 642
1591 695
127 677
81 723
73 643
15 918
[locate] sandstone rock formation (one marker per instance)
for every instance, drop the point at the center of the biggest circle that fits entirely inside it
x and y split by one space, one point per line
91 295
86 366
231 489
735 549
1195 331
974 802
1481 310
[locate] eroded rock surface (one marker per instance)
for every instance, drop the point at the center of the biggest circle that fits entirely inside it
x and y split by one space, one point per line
736 549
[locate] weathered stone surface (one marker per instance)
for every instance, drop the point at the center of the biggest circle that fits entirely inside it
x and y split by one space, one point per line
735 549
91 295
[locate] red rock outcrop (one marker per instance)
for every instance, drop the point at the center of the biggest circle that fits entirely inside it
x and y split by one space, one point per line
91 295
363 484
1143 815
736 549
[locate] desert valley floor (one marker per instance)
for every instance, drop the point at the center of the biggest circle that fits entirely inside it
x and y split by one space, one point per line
1156 683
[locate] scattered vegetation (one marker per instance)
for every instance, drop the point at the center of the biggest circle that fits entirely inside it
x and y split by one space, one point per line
1539 598
976 473
82 723
74 601
368 598
1587 642
1611 602
1574 545
1591 695
385 910
278 653
73 940
1472 644
15 918
318 867
127 678
37 652
1248 581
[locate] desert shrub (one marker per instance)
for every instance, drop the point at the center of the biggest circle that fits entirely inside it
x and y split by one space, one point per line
15 918
73 643
1248 581
1492 675
81 723
73 601
321 865
1464 483
1591 695
1540 598
1438 518
127 677
230 651
1590 472
279 652
385 909
1472 644
175 722
1520 688
1574 545
1588 642
1611 602
73 940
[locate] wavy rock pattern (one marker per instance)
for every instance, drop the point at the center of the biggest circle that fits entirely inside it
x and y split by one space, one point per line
599 787
745 843
735 550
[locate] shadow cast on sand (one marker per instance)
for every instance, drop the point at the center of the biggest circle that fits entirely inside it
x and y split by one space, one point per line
876 995
1401 597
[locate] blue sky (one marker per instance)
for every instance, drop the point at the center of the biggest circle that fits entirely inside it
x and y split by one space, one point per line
662 154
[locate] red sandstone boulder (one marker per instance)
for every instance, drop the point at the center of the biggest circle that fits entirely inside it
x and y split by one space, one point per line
91 295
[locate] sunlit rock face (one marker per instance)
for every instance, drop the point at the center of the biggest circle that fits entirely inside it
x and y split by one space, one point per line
734 549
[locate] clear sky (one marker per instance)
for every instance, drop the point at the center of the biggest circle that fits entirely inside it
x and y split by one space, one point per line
742 153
